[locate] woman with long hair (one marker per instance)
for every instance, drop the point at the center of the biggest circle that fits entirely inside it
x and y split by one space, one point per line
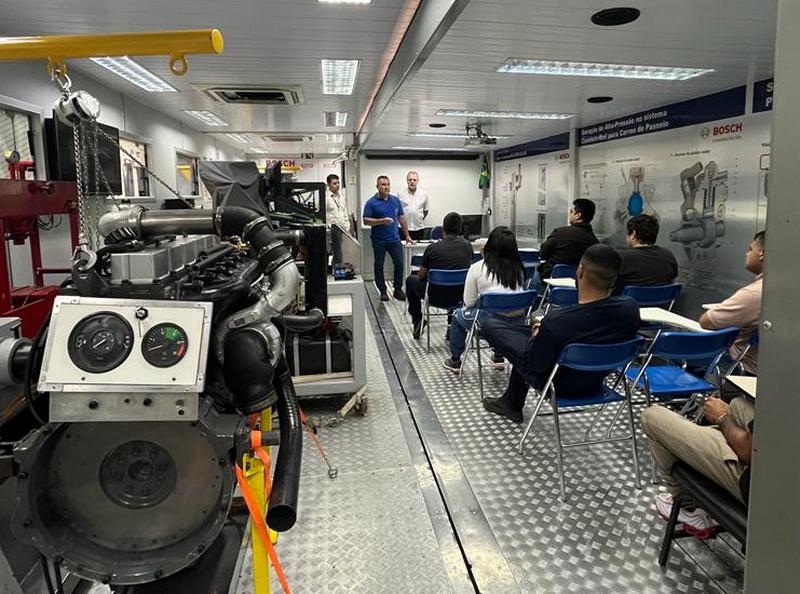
500 270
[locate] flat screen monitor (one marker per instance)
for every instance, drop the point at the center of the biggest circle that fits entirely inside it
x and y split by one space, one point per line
61 155
471 225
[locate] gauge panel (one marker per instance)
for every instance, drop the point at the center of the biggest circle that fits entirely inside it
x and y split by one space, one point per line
100 342
164 345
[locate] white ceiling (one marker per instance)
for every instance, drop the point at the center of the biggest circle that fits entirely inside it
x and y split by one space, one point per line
282 42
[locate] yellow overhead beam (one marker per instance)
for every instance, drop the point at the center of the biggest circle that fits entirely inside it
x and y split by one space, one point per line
57 48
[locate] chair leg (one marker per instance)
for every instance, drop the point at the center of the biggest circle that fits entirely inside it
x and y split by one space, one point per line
634 447
594 422
480 365
469 345
559 453
669 533
530 423
428 325
614 420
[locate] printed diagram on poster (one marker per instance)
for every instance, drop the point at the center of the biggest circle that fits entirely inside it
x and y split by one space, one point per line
705 194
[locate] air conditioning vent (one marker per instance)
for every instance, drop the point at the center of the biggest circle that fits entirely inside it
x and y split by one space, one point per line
288 138
289 95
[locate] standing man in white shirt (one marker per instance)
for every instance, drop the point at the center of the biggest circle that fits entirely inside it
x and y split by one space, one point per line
415 205
336 213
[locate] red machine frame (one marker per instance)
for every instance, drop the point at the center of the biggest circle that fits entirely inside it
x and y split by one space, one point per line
21 201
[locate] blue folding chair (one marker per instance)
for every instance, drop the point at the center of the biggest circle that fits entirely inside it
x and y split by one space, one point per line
654 295
416 262
476 257
560 297
591 358
673 380
529 257
443 278
436 233
737 366
495 304
564 271
530 271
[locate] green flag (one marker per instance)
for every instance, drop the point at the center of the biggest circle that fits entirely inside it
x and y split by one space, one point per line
485 177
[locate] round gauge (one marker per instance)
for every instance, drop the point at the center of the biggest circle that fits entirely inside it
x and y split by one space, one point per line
100 342
164 345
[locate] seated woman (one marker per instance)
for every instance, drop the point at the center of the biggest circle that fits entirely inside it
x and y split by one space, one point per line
499 271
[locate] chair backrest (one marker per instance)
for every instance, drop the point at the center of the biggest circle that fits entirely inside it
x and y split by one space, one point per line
564 271
416 260
476 257
693 346
447 278
653 296
600 357
529 256
498 302
436 232
562 296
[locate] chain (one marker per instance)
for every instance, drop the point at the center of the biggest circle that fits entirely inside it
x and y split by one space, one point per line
83 237
143 166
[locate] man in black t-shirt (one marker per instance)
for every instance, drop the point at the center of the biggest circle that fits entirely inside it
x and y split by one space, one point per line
597 319
453 252
566 245
643 262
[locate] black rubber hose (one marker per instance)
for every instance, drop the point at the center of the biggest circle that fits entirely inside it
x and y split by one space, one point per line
282 510
248 371
304 323
30 364
266 245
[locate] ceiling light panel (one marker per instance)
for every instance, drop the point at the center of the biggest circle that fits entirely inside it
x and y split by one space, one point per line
344 1
258 149
426 148
209 118
335 118
339 76
519 115
241 138
335 138
598 69
444 135
126 68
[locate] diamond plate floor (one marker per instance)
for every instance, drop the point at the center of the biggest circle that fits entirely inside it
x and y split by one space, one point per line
368 530
605 538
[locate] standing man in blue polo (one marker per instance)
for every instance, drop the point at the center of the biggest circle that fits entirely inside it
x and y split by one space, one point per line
384 212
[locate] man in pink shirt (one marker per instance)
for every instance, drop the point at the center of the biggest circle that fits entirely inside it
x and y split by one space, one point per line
743 308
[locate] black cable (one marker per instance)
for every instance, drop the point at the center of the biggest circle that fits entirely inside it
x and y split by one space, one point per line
59 579
46 570
29 366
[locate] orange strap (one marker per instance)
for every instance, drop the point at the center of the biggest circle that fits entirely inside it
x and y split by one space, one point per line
258 518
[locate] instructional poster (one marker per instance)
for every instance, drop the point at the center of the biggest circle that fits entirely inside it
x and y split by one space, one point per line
707 184
533 187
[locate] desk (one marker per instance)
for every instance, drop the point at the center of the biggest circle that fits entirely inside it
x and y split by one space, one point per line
560 282
746 383
418 248
662 316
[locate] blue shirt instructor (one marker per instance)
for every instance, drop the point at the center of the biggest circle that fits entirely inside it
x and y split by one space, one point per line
384 212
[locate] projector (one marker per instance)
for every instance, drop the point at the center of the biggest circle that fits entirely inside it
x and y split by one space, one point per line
477 137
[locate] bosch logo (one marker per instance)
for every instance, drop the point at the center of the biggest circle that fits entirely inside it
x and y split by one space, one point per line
728 129
704 132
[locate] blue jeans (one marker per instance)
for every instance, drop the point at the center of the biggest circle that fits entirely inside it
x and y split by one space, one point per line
395 250
463 318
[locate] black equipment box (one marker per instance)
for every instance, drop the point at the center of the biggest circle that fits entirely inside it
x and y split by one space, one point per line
311 354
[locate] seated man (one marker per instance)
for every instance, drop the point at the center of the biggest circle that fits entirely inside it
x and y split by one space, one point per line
742 309
453 252
643 262
566 245
598 318
721 452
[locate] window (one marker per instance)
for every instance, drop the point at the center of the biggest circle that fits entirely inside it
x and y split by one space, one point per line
14 129
135 181
188 180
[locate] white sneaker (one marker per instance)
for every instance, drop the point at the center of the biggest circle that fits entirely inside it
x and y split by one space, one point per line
696 522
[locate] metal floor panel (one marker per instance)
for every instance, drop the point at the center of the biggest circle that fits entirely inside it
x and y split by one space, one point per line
605 538
368 530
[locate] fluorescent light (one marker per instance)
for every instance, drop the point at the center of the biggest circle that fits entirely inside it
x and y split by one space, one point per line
258 149
241 138
599 69
521 115
335 138
338 76
335 118
344 1
434 135
126 68
209 118
426 148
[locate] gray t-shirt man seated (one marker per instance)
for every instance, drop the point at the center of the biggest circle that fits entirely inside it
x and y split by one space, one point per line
453 252
643 262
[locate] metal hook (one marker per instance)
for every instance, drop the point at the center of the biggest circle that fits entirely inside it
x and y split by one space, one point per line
178 64
58 74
